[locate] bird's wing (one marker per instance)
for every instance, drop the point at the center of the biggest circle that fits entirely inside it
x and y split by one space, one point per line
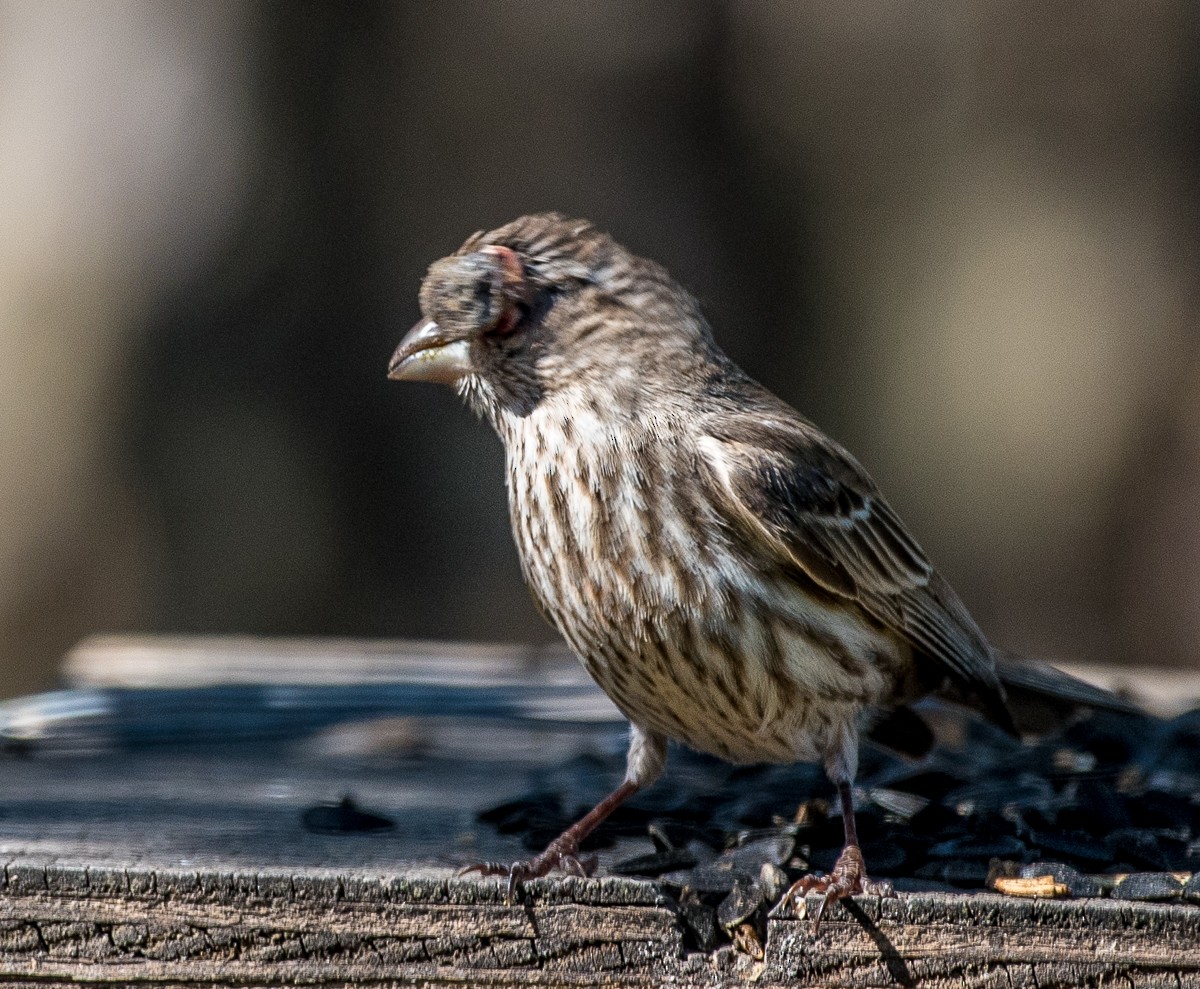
810 505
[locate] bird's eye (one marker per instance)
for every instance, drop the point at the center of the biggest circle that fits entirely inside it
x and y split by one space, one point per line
507 288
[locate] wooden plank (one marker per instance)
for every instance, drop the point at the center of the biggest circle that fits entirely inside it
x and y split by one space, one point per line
197 661
130 691
194 661
159 926
981 938
163 925
161 864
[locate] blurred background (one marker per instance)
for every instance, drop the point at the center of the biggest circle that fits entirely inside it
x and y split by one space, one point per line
961 236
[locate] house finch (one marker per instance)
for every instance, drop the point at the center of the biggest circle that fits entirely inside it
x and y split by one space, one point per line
729 575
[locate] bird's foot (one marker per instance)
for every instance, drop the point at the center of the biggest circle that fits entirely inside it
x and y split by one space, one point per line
849 877
562 853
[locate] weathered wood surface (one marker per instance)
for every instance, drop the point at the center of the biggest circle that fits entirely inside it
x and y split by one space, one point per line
161 925
168 926
162 661
162 864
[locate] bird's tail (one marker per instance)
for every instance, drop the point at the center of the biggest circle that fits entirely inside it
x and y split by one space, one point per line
1040 696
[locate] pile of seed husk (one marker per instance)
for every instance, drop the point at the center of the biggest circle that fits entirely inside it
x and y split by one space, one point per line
1106 805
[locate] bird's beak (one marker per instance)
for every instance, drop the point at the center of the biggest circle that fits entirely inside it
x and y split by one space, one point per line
427 354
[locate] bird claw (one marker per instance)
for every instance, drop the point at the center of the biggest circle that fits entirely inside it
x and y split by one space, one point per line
559 854
848 878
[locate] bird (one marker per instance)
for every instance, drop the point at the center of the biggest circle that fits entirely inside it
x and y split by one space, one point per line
729 575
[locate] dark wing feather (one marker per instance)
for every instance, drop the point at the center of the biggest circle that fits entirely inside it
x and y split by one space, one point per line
811 505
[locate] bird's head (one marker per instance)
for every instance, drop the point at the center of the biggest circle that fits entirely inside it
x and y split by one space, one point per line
541 304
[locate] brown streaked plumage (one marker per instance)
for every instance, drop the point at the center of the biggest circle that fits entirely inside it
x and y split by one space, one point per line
729 575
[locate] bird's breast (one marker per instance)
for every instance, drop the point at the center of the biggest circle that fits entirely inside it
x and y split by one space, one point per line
689 632
609 524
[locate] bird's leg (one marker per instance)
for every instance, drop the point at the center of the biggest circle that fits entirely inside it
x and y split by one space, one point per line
563 851
647 756
849 874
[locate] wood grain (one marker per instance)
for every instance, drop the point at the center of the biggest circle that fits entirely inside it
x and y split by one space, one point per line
424 926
